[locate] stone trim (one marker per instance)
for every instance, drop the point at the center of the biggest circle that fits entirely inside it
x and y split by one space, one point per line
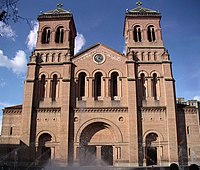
66 80
120 109
153 109
131 79
49 110
149 62
190 110
169 79
13 111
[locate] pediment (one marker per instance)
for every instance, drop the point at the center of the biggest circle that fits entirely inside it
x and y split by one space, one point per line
108 53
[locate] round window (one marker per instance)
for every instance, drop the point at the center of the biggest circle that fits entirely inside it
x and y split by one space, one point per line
98 58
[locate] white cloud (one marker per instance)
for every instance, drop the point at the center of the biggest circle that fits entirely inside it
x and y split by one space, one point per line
79 42
197 98
32 36
17 64
2 82
124 50
6 31
2 105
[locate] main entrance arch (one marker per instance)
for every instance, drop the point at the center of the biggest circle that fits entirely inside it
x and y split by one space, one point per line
96 141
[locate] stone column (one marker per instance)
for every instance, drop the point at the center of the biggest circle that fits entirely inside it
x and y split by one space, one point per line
98 155
106 80
132 111
145 35
87 87
52 153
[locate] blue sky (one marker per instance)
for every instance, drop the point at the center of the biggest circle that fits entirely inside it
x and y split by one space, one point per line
102 21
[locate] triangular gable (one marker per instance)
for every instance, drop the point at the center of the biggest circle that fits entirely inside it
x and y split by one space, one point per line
99 48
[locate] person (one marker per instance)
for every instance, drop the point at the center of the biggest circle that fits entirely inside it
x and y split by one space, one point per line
174 166
193 167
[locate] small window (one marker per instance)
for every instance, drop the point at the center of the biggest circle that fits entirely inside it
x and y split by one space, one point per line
46 35
155 56
98 85
59 57
143 87
188 130
53 58
114 84
142 56
47 58
137 33
81 80
53 87
154 86
59 35
151 33
11 130
42 87
149 56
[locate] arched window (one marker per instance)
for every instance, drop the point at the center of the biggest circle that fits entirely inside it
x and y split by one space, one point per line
42 87
142 56
47 58
137 33
149 56
81 81
155 56
53 57
154 85
59 35
98 85
53 87
59 57
143 86
151 33
114 84
46 35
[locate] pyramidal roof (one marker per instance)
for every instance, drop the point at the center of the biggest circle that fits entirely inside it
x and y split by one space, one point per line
59 12
139 10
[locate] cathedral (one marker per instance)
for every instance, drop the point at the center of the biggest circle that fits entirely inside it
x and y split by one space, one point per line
100 107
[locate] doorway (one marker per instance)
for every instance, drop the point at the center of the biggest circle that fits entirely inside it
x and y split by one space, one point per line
151 156
107 155
87 155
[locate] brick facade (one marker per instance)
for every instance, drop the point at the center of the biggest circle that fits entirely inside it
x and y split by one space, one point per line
99 107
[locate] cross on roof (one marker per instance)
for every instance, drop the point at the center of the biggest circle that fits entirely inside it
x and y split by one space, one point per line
139 3
59 5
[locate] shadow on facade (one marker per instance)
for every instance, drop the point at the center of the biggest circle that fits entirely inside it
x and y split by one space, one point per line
182 138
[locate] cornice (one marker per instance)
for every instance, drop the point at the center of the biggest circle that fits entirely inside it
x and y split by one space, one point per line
49 110
189 110
153 109
12 111
101 110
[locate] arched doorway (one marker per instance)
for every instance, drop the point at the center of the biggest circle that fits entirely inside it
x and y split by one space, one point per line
96 145
151 149
44 152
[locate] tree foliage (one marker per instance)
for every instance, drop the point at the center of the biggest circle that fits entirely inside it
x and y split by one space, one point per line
9 12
